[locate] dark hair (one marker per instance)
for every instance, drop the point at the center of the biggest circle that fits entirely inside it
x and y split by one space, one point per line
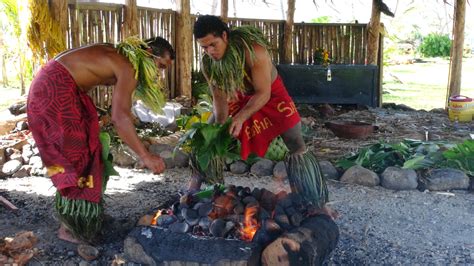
159 46
209 24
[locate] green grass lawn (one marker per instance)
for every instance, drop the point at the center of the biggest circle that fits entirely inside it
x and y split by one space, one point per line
424 85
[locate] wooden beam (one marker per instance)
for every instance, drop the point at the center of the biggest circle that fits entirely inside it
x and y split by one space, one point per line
457 48
373 31
183 47
130 22
288 32
225 10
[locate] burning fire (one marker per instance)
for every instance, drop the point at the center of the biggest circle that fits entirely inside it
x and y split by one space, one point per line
155 219
250 224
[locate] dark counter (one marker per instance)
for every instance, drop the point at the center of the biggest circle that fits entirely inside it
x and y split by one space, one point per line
350 84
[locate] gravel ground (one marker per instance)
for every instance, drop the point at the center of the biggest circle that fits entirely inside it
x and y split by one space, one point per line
377 226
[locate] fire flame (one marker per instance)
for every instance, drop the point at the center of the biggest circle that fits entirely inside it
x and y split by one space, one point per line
155 219
250 224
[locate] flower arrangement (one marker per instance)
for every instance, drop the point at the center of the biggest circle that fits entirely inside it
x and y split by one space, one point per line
321 57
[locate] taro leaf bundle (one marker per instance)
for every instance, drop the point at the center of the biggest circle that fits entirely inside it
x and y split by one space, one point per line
211 145
306 178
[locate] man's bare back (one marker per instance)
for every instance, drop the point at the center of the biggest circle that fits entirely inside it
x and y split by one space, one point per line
95 65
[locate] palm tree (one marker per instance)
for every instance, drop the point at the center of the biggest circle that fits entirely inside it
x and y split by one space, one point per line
10 8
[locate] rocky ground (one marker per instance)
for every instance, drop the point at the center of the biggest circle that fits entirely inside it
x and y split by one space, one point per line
377 226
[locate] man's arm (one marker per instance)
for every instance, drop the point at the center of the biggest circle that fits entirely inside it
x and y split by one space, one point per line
122 117
220 108
260 70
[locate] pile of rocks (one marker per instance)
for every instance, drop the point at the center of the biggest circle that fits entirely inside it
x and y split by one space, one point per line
397 178
20 157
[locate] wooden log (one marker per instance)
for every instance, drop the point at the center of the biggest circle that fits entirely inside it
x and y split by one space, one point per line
130 23
184 47
287 35
457 49
373 37
224 10
309 244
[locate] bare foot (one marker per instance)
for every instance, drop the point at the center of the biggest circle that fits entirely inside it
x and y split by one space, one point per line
65 235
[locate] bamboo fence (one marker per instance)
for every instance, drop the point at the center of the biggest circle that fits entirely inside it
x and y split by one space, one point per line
98 22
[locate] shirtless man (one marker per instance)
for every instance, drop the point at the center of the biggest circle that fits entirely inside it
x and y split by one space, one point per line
261 108
64 121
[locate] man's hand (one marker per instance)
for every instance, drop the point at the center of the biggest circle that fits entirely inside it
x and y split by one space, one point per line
236 126
154 163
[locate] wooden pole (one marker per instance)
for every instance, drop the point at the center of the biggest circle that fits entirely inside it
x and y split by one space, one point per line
183 47
373 34
457 48
59 12
288 32
225 10
130 23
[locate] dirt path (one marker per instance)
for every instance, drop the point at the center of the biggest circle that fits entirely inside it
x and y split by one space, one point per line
377 226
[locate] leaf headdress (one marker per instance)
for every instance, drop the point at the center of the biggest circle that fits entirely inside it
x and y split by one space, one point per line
150 87
228 73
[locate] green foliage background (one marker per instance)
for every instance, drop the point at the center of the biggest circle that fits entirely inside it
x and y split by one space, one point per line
435 45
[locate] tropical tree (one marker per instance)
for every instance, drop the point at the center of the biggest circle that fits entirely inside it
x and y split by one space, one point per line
11 10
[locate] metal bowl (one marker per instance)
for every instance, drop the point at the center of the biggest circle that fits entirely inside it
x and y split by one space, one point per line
350 129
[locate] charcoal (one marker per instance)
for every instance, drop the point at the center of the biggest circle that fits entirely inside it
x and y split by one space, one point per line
281 195
271 226
231 194
296 219
204 223
283 221
217 227
223 205
269 231
290 211
296 199
230 188
264 214
205 209
285 202
267 200
257 193
197 205
235 218
206 200
239 208
166 220
175 207
279 210
179 227
254 204
190 216
248 199
198 231
192 221
244 192
229 226
261 237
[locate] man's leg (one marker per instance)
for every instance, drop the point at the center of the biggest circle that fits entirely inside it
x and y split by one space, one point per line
295 143
294 139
